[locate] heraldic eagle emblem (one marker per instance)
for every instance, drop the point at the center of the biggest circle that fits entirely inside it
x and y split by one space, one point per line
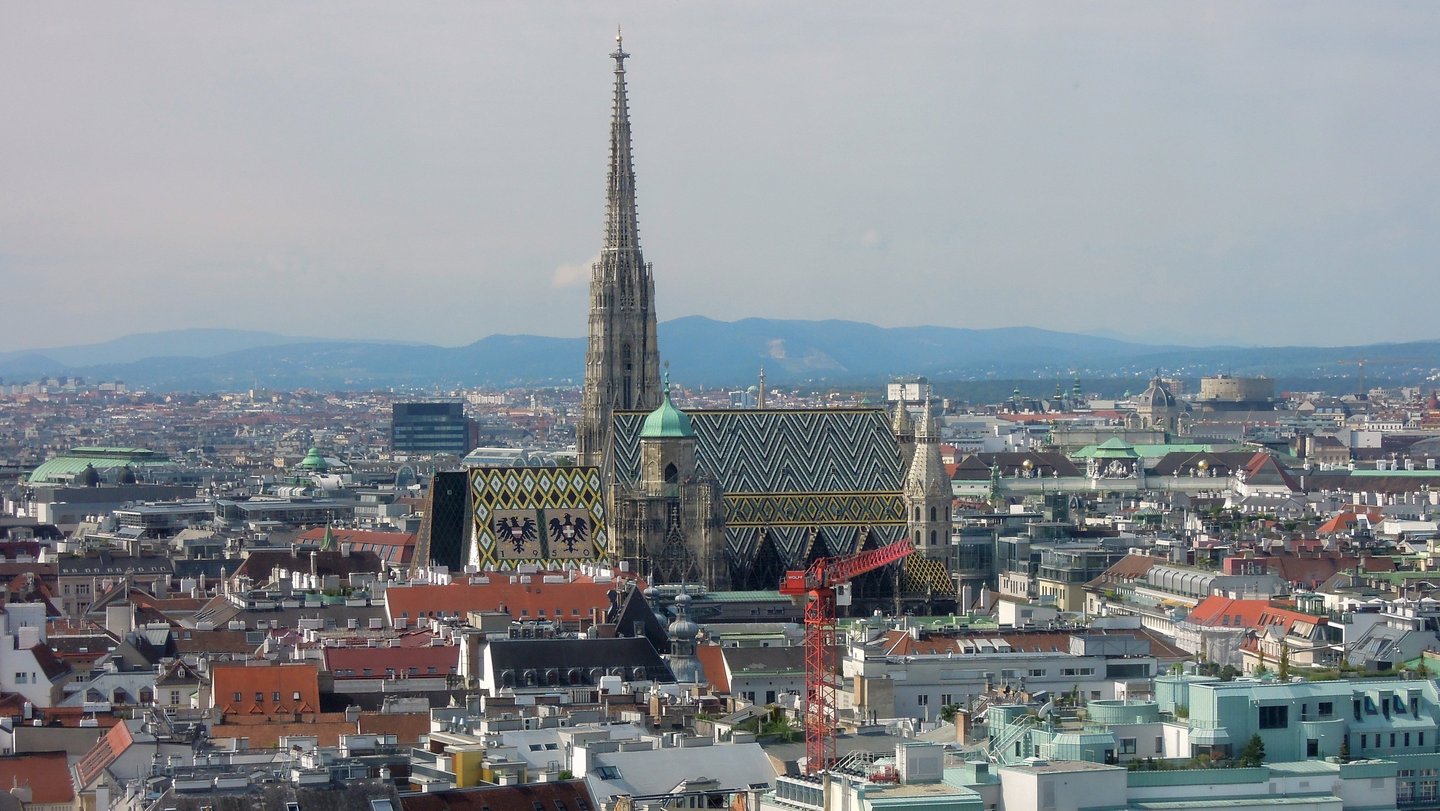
515 530
569 532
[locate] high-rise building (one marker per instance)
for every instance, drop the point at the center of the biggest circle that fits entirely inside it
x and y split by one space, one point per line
430 428
622 362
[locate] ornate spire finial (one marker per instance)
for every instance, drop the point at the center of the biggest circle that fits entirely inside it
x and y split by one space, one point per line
619 54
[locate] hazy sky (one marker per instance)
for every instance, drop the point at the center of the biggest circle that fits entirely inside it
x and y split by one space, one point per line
1238 172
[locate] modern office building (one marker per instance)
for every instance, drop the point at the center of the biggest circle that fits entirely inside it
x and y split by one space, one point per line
430 428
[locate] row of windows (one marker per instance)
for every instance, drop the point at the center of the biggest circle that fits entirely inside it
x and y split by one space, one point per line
1378 740
524 612
390 671
260 696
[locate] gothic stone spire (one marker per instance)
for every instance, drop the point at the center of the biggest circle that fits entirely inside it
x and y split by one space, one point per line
622 361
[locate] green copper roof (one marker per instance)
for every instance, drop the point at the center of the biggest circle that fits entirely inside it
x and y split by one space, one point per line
1112 448
314 461
1147 451
64 467
667 421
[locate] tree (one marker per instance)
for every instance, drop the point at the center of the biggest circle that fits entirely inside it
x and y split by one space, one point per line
1261 668
1282 670
1253 754
1228 673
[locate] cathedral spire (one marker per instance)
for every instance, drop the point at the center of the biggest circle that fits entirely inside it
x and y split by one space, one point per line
622 361
622 228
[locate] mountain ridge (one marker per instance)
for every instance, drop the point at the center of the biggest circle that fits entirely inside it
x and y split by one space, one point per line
700 350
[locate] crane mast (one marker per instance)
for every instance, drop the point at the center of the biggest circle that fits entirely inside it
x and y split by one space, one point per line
816 585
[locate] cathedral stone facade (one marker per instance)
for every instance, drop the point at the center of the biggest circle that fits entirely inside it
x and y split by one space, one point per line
732 498
622 361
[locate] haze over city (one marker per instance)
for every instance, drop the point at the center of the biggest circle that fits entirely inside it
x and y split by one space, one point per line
1226 173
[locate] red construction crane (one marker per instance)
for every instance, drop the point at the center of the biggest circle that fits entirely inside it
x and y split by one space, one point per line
817 586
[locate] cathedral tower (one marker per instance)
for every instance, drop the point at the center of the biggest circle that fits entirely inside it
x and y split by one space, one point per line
927 491
622 362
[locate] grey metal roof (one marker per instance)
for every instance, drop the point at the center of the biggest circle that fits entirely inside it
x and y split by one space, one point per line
658 771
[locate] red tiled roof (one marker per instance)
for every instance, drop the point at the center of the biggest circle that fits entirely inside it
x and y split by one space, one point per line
1264 469
1344 521
1127 569
46 773
1256 615
268 690
407 727
214 641
575 601
326 731
362 663
712 663
53 666
392 547
106 751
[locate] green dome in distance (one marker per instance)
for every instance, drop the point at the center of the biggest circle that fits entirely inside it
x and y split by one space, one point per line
314 461
667 421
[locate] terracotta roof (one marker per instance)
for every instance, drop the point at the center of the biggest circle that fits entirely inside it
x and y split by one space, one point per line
1256 615
564 795
1345 520
72 716
392 547
259 565
267 735
106 751
263 690
12 705
53 666
712 662
1305 570
46 773
407 727
214 641
360 663
1127 569
575 601
1264 470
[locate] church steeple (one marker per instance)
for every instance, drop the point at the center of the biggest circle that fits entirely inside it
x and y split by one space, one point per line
622 361
622 227
927 490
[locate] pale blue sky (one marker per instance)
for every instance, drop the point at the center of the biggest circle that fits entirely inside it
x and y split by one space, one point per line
1244 172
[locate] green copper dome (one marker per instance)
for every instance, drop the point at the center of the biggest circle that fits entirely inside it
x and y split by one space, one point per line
314 461
667 421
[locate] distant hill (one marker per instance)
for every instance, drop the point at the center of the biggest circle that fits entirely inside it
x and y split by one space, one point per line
701 351
183 343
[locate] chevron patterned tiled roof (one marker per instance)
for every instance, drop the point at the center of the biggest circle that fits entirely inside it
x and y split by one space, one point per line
787 474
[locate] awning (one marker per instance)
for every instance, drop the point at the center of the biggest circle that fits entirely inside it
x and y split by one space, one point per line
1209 737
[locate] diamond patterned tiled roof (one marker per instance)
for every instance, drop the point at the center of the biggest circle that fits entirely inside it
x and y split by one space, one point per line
788 474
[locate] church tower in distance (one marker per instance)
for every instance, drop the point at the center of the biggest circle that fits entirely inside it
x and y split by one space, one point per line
622 361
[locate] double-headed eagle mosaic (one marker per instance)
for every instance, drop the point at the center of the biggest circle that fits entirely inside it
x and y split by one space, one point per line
515 530
569 531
